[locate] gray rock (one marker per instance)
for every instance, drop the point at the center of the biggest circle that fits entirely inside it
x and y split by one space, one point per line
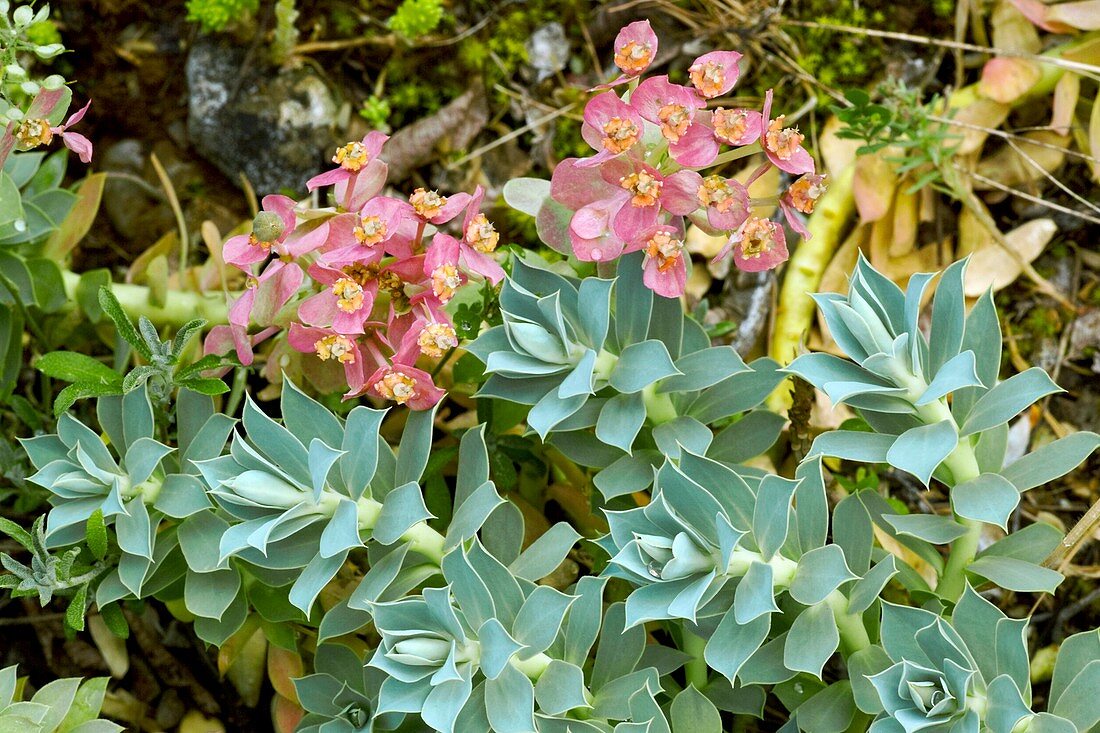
275 126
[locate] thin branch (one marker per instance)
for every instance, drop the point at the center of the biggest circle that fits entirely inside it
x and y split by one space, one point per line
1093 72
1027 196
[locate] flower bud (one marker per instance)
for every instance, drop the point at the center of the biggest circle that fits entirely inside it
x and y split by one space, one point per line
53 82
30 87
15 72
268 226
422 651
48 51
23 16
264 489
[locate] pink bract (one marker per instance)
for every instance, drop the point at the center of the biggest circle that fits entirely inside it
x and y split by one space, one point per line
783 146
611 127
714 74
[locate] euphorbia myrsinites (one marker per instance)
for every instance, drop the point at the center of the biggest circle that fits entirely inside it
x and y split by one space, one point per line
361 284
648 176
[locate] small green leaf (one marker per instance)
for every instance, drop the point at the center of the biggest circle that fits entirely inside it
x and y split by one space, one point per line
692 712
115 620
96 535
73 366
74 614
126 329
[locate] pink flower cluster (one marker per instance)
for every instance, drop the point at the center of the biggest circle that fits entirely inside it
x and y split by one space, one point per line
643 184
375 272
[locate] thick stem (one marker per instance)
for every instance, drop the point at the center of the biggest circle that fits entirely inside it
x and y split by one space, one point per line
963 465
179 307
696 668
658 406
853 633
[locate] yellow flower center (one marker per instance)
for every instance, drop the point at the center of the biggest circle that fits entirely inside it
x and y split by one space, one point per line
427 203
634 57
645 188
396 386
351 157
32 133
665 248
781 141
757 238
730 124
445 280
335 346
370 231
482 235
436 338
805 192
349 294
675 120
361 274
708 78
619 135
716 192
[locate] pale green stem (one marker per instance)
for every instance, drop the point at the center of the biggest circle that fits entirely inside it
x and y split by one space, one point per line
696 667
853 633
533 666
179 307
963 465
658 406
420 537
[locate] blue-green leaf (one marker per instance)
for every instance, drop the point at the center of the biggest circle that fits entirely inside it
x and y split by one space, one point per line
812 640
959 372
1008 399
640 365
1016 574
620 420
1051 461
771 518
988 498
692 712
920 450
820 572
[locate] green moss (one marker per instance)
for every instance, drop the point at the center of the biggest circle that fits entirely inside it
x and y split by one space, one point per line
44 33
376 112
217 15
415 18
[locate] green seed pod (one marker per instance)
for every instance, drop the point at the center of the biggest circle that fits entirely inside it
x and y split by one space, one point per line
268 226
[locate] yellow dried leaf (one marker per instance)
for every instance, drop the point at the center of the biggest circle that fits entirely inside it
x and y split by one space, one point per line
1012 31
285 714
698 242
992 267
196 722
1024 163
1094 138
873 187
110 646
283 666
247 672
978 112
1066 92
836 152
1006 79
765 186
906 207
972 234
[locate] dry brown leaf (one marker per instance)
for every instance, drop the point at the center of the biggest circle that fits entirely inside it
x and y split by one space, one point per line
1006 79
698 242
905 223
110 646
1012 31
972 234
698 283
873 187
196 722
1066 92
982 113
837 153
1094 138
765 186
992 267
1026 163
